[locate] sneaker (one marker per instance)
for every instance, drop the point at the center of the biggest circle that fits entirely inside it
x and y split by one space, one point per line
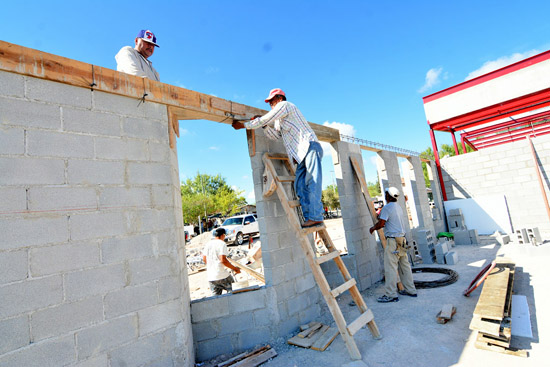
405 293
386 299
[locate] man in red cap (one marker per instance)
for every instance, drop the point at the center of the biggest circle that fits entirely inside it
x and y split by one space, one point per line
286 121
135 60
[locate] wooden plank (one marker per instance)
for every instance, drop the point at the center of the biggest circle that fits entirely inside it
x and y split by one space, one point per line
246 289
493 295
294 203
257 359
307 342
343 287
496 348
440 319
286 178
361 321
486 326
243 355
324 341
311 330
309 230
446 311
325 258
250 271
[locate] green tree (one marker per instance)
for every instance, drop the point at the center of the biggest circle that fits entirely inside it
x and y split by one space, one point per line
205 195
330 197
374 188
444 150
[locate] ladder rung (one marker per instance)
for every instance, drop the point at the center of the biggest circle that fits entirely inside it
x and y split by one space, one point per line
312 229
331 255
286 178
294 203
343 287
282 157
361 321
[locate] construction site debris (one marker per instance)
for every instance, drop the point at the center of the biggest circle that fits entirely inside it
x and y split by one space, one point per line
252 359
317 337
446 314
450 278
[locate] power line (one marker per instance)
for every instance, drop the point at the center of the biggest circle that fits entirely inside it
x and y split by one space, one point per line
373 144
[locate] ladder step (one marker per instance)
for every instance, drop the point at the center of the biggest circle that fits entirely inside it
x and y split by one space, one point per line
286 178
331 256
361 321
342 288
280 156
313 229
294 203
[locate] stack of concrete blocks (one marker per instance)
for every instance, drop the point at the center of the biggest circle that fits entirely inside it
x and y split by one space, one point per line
521 236
502 239
425 242
457 226
442 253
528 236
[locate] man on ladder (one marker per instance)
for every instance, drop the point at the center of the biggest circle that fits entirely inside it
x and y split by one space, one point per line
285 120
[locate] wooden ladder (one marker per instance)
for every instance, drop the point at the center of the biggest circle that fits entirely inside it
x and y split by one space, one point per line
273 182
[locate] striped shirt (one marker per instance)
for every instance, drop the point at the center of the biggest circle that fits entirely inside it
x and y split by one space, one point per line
285 120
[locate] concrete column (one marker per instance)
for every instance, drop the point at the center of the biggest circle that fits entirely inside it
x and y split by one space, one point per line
438 211
418 198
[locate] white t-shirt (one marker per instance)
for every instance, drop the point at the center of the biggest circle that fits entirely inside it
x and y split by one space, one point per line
129 61
393 215
215 270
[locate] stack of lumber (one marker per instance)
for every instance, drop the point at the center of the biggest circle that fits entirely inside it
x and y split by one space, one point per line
315 336
492 317
252 359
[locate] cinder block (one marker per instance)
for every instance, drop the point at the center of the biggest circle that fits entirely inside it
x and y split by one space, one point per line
97 225
29 114
31 171
15 334
99 361
128 196
210 309
13 266
440 258
139 353
106 336
251 338
159 152
533 234
461 237
234 324
91 172
159 317
203 331
30 295
12 140
24 232
13 199
474 238
441 248
297 303
137 150
521 236
144 129
451 258
118 249
305 283
12 84
213 347
55 144
110 148
129 299
45 90
247 301
262 317
92 122
62 258
161 195
55 198
67 317
85 283
120 105
149 173
53 352
152 268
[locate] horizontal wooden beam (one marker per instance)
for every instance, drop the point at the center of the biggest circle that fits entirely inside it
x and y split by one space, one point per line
185 103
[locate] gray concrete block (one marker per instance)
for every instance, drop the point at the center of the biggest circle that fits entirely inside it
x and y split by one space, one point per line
533 234
45 90
305 283
99 361
44 143
204 331
161 195
263 317
66 317
144 129
92 122
106 336
24 232
248 301
66 197
97 225
213 347
451 258
474 238
441 248
455 212
251 338
119 249
85 283
140 353
53 352
31 171
129 299
149 173
53 259
121 105
138 150
169 288
11 84
91 172
15 334
461 237
209 309
30 295
159 152
159 317
29 114
440 258
297 303
235 324
152 268
13 266
12 140
111 148
128 196
13 199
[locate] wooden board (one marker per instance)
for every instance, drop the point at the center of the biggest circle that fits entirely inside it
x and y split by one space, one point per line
481 344
325 340
486 326
242 356
445 314
311 330
257 359
248 270
493 296
307 342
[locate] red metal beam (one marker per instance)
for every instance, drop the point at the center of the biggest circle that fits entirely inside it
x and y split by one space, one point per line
520 121
527 130
515 138
454 142
438 165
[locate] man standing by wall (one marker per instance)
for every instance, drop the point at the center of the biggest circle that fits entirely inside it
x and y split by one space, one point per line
214 255
135 60
285 120
395 253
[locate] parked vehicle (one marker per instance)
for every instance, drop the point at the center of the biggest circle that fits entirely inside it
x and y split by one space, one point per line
237 227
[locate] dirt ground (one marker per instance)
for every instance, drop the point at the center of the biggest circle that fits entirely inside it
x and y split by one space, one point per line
410 335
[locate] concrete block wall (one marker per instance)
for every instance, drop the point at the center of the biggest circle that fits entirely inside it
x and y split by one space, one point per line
507 170
91 252
365 253
438 212
418 198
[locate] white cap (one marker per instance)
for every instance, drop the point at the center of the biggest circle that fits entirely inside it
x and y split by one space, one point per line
393 192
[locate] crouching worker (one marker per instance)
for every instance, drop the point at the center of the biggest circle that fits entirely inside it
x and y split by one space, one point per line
214 255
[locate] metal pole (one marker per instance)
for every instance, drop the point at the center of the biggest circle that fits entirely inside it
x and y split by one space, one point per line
454 142
541 183
438 165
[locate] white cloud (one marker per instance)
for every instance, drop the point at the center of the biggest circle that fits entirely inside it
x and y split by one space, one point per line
500 63
183 132
245 177
345 129
214 148
433 78
251 197
212 70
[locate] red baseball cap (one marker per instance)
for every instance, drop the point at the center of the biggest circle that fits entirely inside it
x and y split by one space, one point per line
273 93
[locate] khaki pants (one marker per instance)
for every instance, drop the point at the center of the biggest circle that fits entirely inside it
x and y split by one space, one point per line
394 263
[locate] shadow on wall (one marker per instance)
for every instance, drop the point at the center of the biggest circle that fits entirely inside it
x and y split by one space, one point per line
452 187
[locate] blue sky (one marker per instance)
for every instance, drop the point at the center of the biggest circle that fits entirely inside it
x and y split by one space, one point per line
361 66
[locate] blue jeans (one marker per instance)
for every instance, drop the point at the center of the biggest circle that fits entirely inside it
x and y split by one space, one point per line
308 183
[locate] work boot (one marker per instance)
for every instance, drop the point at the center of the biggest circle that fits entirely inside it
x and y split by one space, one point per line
405 293
386 299
311 223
